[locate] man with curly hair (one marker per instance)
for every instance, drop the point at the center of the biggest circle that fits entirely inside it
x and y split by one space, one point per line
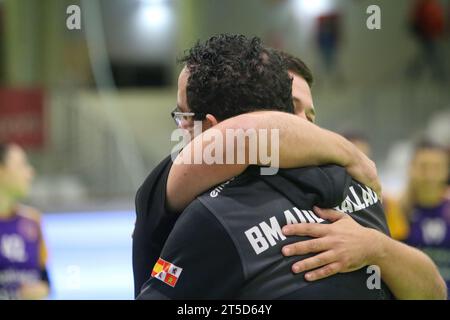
158 207
232 75
227 243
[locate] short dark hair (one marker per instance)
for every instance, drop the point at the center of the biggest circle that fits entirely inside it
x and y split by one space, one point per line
428 144
232 74
297 66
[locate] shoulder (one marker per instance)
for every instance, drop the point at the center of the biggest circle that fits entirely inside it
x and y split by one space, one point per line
195 228
199 220
162 168
338 176
30 213
241 192
329 183
194 213
153 188
336 181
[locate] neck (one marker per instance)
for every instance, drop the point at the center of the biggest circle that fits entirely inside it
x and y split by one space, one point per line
7 205
430 197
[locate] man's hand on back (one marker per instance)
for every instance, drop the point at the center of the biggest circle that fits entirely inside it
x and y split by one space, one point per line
345 246
342 246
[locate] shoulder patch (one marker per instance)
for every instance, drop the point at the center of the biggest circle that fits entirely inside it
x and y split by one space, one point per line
166 272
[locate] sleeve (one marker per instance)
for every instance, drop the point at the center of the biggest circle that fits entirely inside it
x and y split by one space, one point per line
153 223
336 182
326 186
198 261
151 196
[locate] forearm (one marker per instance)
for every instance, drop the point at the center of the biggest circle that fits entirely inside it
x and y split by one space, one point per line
304 144
301 143
186 182
408 272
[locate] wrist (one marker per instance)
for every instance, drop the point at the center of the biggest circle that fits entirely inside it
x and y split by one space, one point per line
379 251
348 156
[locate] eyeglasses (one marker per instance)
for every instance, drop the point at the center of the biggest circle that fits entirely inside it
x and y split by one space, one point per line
186 117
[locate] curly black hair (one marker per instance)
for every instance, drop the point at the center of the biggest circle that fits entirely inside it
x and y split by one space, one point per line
232 74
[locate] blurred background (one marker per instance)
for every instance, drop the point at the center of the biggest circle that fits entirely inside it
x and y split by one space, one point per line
91 106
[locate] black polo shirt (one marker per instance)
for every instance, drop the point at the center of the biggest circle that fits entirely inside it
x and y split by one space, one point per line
227 243
153 223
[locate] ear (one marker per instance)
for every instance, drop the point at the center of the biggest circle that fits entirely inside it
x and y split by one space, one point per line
210 121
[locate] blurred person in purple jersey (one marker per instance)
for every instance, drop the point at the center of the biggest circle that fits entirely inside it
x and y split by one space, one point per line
23 272
396 219
427 204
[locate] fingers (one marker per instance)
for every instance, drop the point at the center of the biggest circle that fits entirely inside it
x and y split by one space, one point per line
376 187
324 272
314 230
317 261
329 214
305 247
